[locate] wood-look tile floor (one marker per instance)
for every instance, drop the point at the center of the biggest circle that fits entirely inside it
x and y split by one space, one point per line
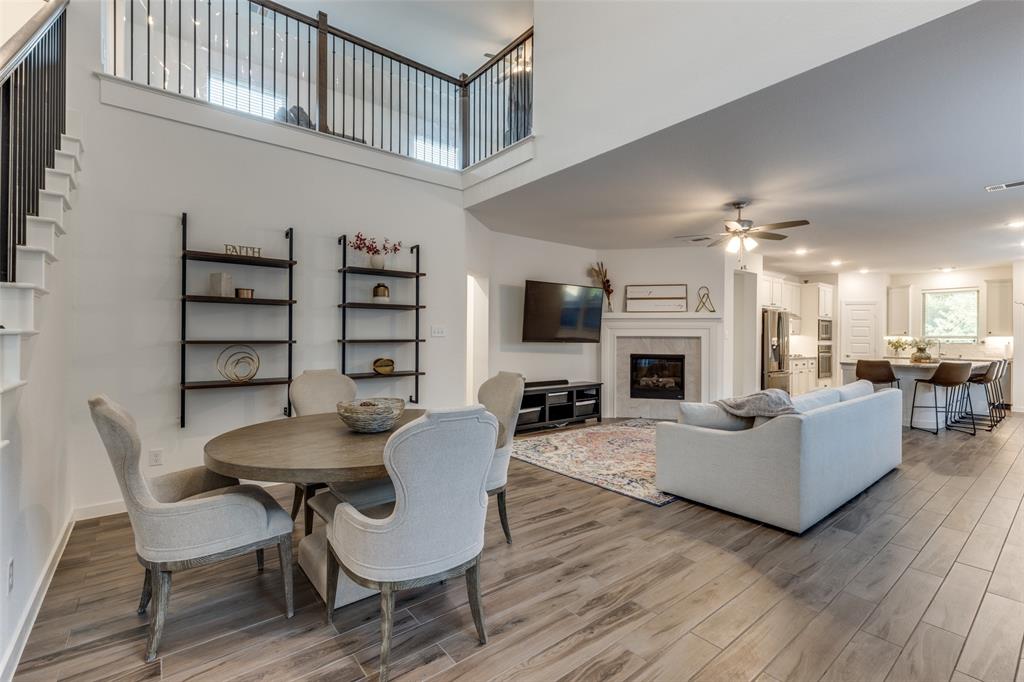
919 578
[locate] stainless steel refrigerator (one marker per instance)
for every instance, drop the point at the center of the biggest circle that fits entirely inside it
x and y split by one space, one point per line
775 372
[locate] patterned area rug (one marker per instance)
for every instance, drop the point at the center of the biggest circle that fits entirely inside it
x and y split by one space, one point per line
617 457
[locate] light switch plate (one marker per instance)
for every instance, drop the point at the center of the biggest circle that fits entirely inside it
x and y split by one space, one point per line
438 331
156 458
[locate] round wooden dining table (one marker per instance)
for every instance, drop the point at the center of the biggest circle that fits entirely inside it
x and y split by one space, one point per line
318 448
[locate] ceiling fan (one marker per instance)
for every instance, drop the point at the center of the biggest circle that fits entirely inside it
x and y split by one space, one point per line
743 234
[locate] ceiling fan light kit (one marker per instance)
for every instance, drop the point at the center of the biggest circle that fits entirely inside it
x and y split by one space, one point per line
741 234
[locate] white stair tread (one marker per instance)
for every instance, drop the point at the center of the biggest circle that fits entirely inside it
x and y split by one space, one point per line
56 223
71 176
18 332
49 255
4 444
64 197
13 386
72 138
74 157
25 285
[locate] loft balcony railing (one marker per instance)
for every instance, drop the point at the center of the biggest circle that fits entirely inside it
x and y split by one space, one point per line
32 120
265 59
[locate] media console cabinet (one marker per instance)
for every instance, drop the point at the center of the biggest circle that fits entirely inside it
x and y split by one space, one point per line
554 404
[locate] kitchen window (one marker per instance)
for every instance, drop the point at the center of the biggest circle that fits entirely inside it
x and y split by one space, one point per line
951 315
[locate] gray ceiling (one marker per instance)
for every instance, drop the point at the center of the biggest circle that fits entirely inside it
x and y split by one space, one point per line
449 35
886 152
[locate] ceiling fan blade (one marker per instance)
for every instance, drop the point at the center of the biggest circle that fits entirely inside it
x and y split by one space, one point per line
719 241
733 225
783 225
767 235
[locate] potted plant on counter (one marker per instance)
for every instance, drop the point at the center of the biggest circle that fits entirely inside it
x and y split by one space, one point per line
921 346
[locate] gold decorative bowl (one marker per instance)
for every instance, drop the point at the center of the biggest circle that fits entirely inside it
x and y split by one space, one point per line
371 415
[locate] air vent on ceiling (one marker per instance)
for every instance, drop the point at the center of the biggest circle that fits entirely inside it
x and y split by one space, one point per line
1005 185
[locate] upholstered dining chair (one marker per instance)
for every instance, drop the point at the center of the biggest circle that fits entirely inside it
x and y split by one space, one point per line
187 518
502 395
439 464
316 391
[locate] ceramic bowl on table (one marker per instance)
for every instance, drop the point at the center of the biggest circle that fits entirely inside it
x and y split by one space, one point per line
371 415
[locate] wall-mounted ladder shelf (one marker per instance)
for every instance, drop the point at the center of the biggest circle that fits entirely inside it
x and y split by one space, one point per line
347 306
186 298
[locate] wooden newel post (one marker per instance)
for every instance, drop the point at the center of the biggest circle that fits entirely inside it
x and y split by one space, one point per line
321 72
464 118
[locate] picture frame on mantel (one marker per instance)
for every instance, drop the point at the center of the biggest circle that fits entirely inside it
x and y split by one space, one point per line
656 298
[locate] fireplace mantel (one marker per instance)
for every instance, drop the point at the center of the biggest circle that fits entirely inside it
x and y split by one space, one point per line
707 327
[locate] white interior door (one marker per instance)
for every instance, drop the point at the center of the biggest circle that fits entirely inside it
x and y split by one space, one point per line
859 331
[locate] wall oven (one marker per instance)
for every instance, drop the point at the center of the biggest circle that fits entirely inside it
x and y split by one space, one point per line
824 362
824 330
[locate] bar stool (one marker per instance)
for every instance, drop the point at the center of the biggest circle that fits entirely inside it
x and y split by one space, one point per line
987 377
953 377
1004 407
877 372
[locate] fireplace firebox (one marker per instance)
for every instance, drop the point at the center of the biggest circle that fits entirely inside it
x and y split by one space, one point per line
656 376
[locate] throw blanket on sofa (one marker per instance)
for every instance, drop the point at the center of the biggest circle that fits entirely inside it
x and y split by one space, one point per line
770 402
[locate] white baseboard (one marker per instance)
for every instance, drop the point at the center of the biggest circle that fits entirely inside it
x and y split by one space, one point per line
9 662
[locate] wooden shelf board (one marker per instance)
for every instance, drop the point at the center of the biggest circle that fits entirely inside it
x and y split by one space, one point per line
227 342
374 375
272 381
382 340
380 272
194 298
259 261
381 306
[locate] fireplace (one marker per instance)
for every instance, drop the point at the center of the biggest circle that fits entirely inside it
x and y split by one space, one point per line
656 376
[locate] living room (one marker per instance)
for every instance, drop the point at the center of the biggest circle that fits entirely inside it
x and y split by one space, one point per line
572 299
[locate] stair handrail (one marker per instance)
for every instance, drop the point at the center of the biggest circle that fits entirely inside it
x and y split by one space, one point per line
19 45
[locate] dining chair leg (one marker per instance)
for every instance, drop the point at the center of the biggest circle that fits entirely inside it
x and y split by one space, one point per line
297 501
162 592
503 515
284 555
307 519
475 605
387 615
331 588
147 592
259 560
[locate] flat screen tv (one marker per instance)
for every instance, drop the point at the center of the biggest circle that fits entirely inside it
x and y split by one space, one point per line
564 313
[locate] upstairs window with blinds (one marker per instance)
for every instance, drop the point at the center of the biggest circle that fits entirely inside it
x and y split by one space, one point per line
951 315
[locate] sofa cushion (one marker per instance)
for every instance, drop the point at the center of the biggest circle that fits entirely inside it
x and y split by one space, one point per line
858 389
711 417
815 399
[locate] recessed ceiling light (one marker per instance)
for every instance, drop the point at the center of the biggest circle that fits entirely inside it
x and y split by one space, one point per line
801 252
1015 223
836 263
947 269
1005 185
863 271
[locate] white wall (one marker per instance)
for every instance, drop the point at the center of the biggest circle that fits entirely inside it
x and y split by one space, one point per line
14 14
658 63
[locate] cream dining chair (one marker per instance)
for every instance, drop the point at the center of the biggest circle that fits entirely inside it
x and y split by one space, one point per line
502 396
187 518
439 464
316 391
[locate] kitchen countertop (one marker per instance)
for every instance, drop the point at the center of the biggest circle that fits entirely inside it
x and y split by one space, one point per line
905 362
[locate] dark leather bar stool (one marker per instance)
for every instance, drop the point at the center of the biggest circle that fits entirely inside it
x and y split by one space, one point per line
877 372
1003 405
988 378
953 377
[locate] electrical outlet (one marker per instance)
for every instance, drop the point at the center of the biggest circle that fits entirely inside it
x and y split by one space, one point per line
156 458
438 331
10 576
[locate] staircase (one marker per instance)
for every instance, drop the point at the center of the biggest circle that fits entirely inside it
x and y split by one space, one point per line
34 260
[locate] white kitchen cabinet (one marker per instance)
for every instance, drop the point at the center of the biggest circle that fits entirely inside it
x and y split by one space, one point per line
803 375
817 301
777 293
791 302
898 311
825 301
999 307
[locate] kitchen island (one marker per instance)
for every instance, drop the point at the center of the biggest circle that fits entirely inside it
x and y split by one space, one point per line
908 372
